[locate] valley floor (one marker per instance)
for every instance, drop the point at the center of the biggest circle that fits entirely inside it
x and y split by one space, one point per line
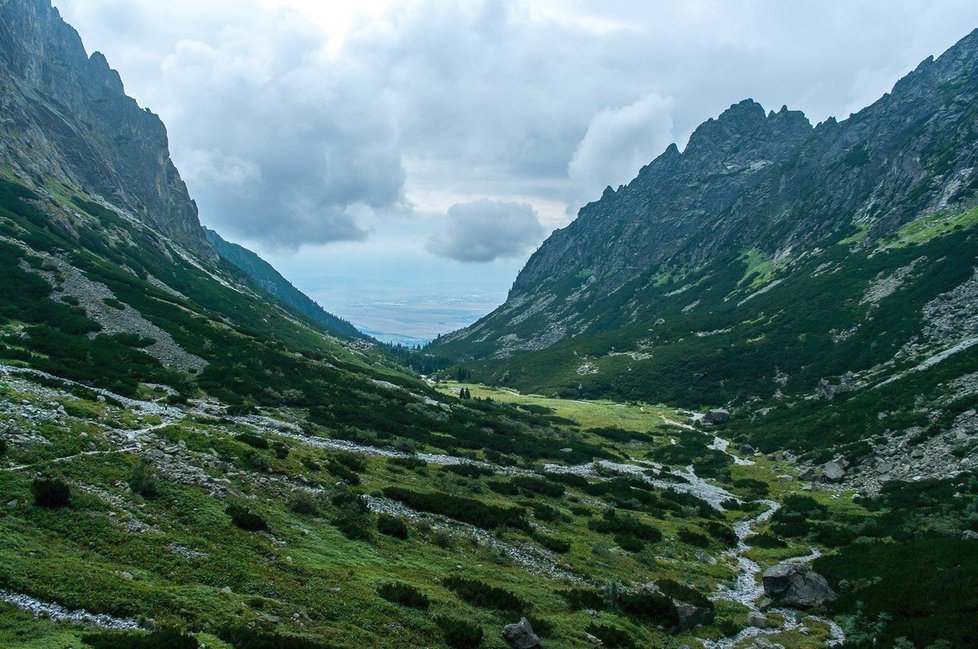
153 536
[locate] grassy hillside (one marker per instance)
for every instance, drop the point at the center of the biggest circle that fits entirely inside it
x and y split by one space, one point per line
743 330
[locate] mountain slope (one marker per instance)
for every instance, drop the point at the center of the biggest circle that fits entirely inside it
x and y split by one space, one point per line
820 282
747 182
271 281
65 116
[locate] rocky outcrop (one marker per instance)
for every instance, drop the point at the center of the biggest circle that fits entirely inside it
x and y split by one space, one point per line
65 115
796 585
521 635
717 416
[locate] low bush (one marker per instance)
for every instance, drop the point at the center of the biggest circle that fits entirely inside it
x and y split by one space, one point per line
469 470
392 526
405 595
163 639
723 533
460 634
650 607
253 441
611 636
467 510
244 518
552 543
354 519
694 538
51 492
766 540
247 638
3 447
539 485
754 488
483 595
304 503
613 523
579 599
145 481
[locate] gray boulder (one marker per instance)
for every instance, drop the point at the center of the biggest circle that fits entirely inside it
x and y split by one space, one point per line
796 585
692 616
833 472
717 416
758 620
969 535
521 635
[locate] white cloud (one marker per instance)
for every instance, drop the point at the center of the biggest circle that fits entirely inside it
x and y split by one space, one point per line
485 230
620 141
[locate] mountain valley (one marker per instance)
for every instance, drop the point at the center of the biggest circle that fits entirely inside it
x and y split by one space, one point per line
732 405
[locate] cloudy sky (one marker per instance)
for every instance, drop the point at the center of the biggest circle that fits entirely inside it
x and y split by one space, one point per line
383 153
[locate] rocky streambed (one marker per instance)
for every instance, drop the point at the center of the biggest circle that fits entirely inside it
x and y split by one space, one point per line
60 614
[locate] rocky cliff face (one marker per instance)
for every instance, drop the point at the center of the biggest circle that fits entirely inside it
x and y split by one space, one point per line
747 180
65 115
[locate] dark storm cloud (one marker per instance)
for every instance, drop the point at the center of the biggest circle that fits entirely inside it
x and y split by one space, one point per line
484 230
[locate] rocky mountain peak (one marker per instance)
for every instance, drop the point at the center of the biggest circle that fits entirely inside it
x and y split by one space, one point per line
65 115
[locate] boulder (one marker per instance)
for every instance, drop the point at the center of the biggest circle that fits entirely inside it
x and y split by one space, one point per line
758 620
796 585
717 416
969 535
692 616
521 635
833 472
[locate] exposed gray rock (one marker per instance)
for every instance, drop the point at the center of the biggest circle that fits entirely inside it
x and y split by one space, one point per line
969 535
692 616
796 585
521 635
758 620
833 472
66 113
717 416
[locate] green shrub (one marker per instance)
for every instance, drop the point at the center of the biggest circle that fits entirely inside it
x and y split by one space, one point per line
392 526
691 537
245 519
723 533
460 634
467 510
405 595
766 540
3 447
51 492
163 639
469 470
253 441
611 636
354 519
754 488
539 485
483 595
650 607
246 638
629 543
545 513
552 543
613 523
145 481
583 598
304 503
